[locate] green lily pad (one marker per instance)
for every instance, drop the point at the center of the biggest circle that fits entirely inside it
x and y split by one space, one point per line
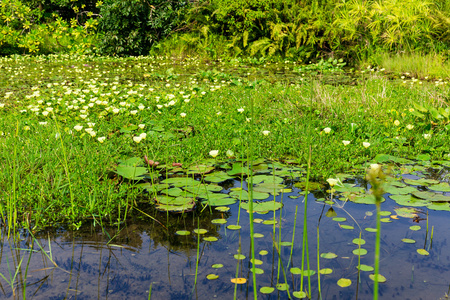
344 282
200 231
181 182
399 190
238 169
421 182
286 244
200 169
270 222
415 228
408 241
347 187
183 232
326 271
217 266
339 219
268 187
153 188
369 229
161 199
406 212
430 196
348 227
258 235
328 255
385 220
441 187
212 276
266 178
408 200
222 208
239 256
263 252
423 252
234 227
257 270
217 177
365 268
296 271
282 286
210 239
256 262
385 213
262 206
299 294
360 251
312 186
358 241
131 172
380 277
244 195
219 199
266 290
258 220
219 221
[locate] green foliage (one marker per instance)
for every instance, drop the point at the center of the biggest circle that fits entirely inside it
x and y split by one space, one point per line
131 27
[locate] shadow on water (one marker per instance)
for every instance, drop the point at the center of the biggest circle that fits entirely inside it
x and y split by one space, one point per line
122 262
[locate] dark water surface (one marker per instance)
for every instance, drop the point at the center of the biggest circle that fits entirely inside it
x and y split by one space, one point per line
142 252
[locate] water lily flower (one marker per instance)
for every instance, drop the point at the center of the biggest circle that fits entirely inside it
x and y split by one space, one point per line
409 127
214 153
141 126
241 110
266 132
137 139
78 127
366 145
332 181
183 115
396 122
345 143
327 130
101 139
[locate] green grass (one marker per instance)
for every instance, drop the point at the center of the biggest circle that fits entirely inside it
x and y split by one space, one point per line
65 175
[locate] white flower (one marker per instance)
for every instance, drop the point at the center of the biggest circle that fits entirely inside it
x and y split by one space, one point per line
396 122
366 145
241 110
78 127
88 130
214 153
327 130
101 139
141 107
45 113
92 133
2 105
133 112
137 139
426 136
143 135
375 167
219 113
266 132
116 110
83 116
248 120
91 124
183 115
332 181
409 127
159 106
345 143
141 126
43 123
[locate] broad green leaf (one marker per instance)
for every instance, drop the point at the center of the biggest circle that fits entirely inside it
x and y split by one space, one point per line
328 255
266 290
343 282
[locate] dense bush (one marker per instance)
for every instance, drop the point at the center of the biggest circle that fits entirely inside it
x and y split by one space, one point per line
131 27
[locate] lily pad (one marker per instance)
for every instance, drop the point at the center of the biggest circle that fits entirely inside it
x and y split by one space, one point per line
299 294
131 172
266 178
210 239
244 195
380 278
219 199
340 219
360 251
369 229
408 200
328 255
415 228
183 232
212 276
266 290
421 182
430 196
200 169
219 221
181 182
222 208
217 266
256 262
344 282
217 177
358 241
408 241
296 271
239 256
365 268
326 271
234 227
268 187
441 187
263 252
282 286
348 227
406 212
238 280
258 235
200 231
238 169
257 270
262 206
423 252
270 222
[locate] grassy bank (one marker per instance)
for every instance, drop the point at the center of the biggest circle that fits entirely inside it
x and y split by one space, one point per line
67 122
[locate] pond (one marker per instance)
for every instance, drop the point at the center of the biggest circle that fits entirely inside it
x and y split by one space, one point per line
150 253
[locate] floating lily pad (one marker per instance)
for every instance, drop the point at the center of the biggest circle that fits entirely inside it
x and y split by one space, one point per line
385 220
131 172
238 169
385 213
408 241
421 182
257 262
339 219
176 208
441 187
222 208
399 190
257 270
299 294
219 221
181 182
263 252
244 195
269 187
360 251
153 188
326 271
331 213
219 199
286 244
257 220
238 280
365 268
430 196
234 227
217 266
423 252
408 200
358 241
347 187
239 256
380 278
210 239
348 227
415 227
296 271
266 290
312 186
343 282
212 276
200 169
406 212
262 206
258 235
266 178
369 229
183 232
328 255
217 177
282 286
270 222
200 231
